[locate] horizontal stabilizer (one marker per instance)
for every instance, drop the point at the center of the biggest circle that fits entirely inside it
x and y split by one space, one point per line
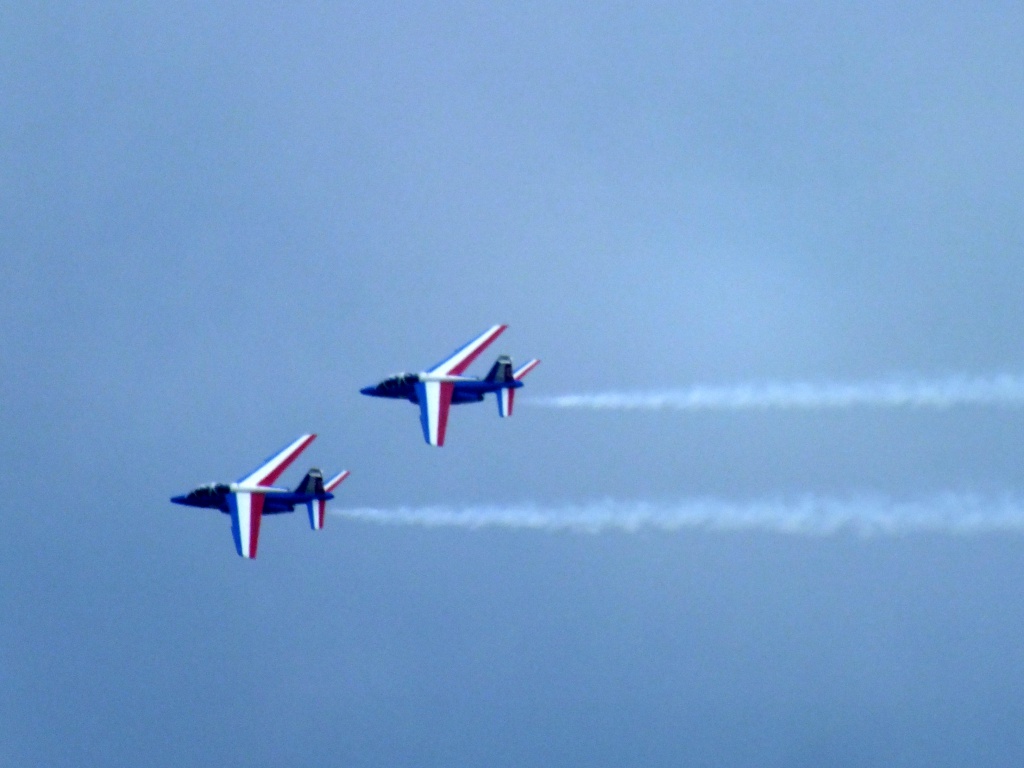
316 509
525 369
506 399
335 481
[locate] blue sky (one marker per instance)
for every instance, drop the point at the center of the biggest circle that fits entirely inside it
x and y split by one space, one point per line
218 223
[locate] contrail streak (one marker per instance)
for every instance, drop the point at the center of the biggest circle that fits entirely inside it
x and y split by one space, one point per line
949 514
1005 390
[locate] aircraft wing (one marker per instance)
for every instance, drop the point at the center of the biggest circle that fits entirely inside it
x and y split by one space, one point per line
246 513
461 359
435 400
275 465
246 507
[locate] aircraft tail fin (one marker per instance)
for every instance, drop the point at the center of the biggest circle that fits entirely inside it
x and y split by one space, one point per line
317 507
312 484
506 397
501 371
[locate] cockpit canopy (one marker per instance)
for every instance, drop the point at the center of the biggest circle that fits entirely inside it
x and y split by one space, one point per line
209 490
399 380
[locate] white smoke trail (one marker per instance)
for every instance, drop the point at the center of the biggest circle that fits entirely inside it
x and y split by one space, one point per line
1005 390
949 514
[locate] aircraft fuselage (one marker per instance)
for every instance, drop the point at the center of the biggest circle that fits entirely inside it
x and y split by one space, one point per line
215 496
403 387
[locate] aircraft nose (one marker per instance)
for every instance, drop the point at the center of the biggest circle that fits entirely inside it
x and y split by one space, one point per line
177 499
368 391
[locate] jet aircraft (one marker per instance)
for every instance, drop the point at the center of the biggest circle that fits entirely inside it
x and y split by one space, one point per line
437 388
254 495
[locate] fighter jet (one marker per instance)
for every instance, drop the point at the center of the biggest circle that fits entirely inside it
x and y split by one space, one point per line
437 388
254 495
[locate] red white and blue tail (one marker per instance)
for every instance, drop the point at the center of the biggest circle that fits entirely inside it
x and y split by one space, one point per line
506 397
318 507
335 481
525 369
